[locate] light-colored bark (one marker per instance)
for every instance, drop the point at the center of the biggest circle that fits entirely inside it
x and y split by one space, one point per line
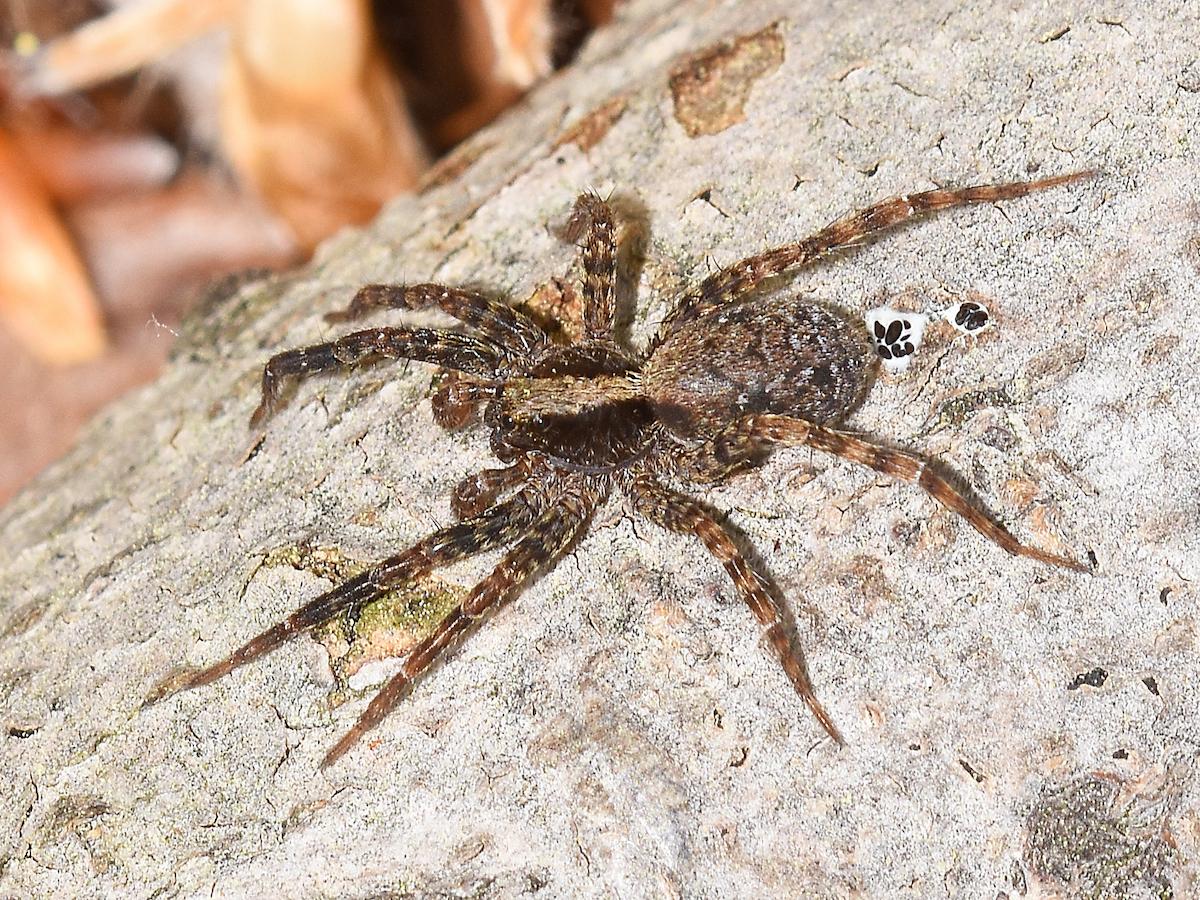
618 731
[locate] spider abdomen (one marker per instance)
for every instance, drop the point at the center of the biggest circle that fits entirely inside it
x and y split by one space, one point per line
775 355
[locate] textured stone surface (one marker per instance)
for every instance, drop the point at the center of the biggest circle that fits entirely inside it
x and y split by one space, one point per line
617 731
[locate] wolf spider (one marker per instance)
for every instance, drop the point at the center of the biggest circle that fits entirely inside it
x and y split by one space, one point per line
731 374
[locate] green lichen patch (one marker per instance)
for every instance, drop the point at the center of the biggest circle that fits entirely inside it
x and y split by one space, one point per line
386 628
1082 834
324 562
954 412
382 629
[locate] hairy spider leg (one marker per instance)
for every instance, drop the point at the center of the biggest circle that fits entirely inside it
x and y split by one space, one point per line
449 349
735 281
592 219
476 492
753 431
514 331
542 545
678 512
498 526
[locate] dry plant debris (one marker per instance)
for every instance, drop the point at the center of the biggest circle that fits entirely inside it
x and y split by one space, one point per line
118 192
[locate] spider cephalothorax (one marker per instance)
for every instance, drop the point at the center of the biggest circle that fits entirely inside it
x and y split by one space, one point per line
732 373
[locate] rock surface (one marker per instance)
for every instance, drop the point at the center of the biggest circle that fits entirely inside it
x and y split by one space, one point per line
617 731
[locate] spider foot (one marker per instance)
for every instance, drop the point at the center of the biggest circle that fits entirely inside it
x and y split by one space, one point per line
184 680
779 639
261 413
387 699
1053 559
587 210
815 707
269 402
369 297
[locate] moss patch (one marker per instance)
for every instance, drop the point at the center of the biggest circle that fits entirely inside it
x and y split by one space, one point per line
384 628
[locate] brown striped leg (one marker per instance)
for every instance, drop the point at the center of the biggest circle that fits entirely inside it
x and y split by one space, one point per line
547 539
677 512
496 527
592 219
733 282
443 348
755 431
514 331
476 492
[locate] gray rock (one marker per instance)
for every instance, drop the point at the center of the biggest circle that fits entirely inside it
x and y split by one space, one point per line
617 731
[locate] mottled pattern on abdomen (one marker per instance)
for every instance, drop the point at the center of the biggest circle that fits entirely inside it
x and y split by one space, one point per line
783 355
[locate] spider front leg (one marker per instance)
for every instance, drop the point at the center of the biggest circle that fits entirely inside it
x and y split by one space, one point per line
755 432
592 219
677 512
733 282
510 329
494 528
448 349
547 539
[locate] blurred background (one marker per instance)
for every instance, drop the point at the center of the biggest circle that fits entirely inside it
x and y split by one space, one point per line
149 147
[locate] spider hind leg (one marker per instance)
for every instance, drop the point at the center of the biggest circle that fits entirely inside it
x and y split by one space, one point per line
486 531
735 281
754 431
680 513
542 545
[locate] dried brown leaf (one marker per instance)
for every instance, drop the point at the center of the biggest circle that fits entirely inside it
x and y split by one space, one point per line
45 297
